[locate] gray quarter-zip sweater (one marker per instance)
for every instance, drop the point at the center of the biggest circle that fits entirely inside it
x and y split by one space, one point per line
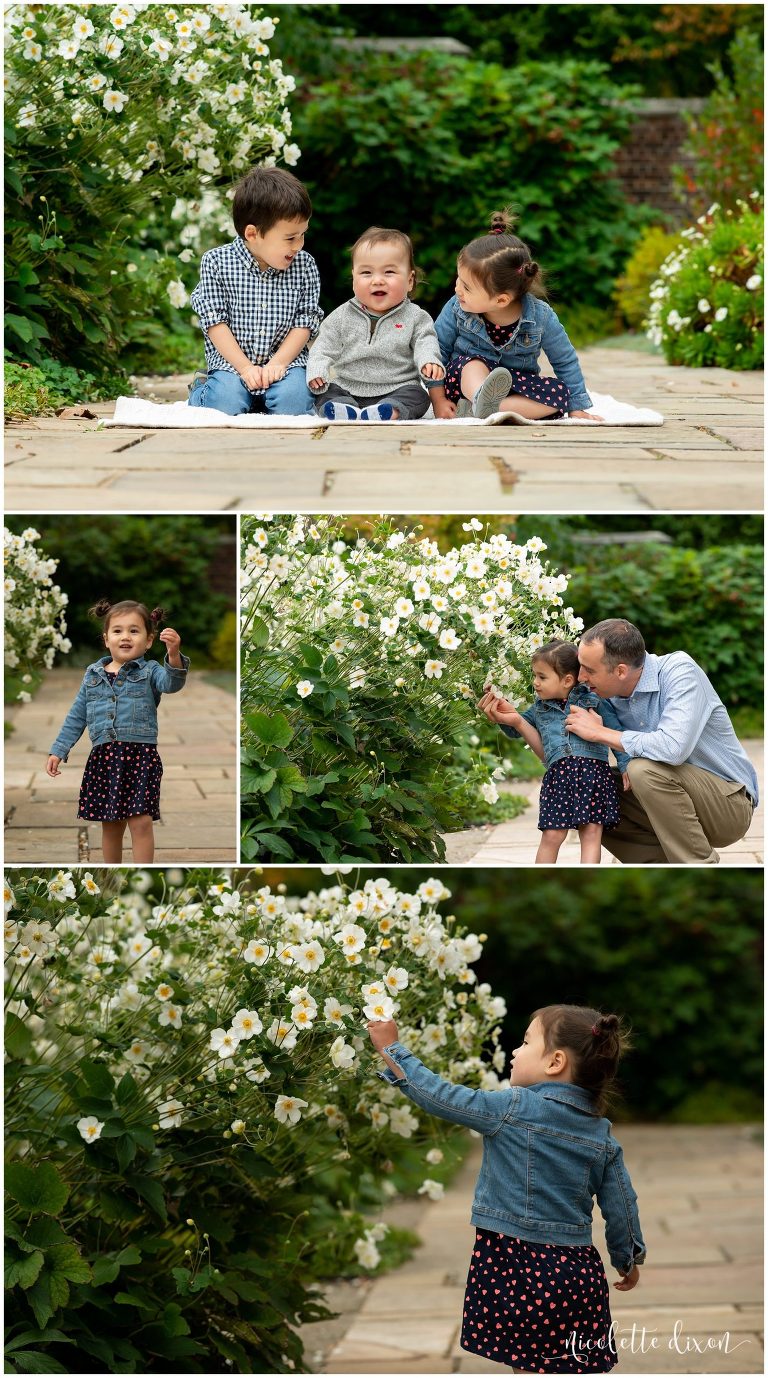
367 355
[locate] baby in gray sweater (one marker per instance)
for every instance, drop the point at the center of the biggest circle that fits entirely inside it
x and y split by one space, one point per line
369 359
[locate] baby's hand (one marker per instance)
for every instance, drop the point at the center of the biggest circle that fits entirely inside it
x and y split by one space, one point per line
382 1032
443 409
626 781
317 383
52 766
433 371
587 415
252 376
628 1280
171 640
272 373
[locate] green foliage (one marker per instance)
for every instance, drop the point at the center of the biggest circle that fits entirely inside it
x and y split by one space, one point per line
39 389
159 560
632 288
707 305
223 649
706 602
725 139
434 144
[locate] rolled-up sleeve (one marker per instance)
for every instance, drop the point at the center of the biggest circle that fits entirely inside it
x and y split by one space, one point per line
530 717
308 311
167 678
209 299
611 719
484 1111
686 709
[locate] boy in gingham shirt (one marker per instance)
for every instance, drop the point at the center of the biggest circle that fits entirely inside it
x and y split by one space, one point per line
257 302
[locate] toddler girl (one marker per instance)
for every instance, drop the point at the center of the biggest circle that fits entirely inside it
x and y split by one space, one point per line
493 330
578 790
117 702
537 1294
371 354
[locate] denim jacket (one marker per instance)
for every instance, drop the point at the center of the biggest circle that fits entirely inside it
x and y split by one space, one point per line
125 711
546 1155
547 716
462 332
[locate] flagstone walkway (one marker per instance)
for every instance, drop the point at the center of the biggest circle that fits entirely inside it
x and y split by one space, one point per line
197 743
514 843
700 1200
707 457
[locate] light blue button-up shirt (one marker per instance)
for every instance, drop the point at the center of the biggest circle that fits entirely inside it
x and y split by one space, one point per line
674 715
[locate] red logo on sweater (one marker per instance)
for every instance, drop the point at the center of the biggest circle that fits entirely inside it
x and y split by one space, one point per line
398 326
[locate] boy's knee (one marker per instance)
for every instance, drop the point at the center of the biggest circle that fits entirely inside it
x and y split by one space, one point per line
223 392
290 396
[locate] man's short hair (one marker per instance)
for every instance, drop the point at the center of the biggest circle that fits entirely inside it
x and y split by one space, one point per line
622 642
268 194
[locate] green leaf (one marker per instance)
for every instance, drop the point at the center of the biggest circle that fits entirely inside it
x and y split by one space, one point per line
258 632
23 1272
127 1090
273 845
130 1254
273 731
151 1192
256 781
312 657
39 1298
34 1361
97 1077
126 1151
344 731
38 1190
105 1270
67 1262
133 1299
59 1289
18 1039
21 327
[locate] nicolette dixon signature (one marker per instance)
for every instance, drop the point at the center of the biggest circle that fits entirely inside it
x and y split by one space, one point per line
639 1339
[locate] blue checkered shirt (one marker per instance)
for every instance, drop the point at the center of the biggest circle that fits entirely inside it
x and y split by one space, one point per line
260 308
674 715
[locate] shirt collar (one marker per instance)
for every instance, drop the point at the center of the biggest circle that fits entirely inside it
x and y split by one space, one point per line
648 682
378 315
104 662
567 1093
246 257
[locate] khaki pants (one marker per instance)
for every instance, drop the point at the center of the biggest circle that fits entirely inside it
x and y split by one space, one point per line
676 814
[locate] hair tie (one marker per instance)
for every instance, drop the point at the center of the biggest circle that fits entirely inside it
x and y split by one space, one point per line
497 229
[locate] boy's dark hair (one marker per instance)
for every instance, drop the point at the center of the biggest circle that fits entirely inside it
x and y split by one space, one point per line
561 655
376 234
622 642
268 194
595 1041
501 262
106 611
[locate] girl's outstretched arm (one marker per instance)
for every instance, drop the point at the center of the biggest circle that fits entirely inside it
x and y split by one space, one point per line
484 1111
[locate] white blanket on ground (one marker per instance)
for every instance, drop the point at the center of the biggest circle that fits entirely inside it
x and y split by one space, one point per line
134 411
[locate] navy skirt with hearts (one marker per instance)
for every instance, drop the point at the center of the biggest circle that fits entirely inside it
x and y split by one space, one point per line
121 780
538 1308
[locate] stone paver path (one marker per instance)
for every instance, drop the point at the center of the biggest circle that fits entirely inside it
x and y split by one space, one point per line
707 457
514 843
700 1197
198 801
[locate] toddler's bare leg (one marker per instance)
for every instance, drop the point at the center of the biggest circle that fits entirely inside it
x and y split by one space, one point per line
142 837
112 840
524 406
472 375
591 839
549 847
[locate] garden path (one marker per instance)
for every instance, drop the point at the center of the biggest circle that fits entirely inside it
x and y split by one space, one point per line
700 1195
707 457
197 736
514 843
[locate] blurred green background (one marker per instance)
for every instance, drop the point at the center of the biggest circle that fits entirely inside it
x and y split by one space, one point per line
677 952
185 564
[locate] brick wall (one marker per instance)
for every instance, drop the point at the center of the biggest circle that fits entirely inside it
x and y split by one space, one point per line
645 161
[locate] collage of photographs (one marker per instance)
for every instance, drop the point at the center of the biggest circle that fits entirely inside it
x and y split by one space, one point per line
384 688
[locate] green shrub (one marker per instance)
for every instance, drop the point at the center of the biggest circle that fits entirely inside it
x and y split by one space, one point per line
725 139
40 389
631 290
118 134
707 304
433 144
224 647
707 602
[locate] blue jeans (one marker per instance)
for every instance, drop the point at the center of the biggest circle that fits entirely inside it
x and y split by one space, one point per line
226 391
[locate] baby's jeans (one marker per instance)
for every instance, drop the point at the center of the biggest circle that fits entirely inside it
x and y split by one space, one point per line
227 392
410 400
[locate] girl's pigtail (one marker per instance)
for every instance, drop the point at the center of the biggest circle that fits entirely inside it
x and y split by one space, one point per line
100 609
157 616
530 270
503 221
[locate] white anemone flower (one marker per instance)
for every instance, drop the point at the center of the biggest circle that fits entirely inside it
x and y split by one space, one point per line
342 1054
288 1109
304 688
379 1010
449 641
752 283
402 1122
170 1113
396 978
90 1128
90 885
334 1012
308 956
164 991
366 1253
721 313
246 1023
434 1190
388 626
170 1016
351 938
114 101
257 952
224 1042
282 1034
434 1156
434 669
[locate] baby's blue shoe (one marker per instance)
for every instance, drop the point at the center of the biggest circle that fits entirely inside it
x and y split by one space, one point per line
340 411
382 412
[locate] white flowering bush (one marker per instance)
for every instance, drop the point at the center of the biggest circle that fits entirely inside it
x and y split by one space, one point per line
362 662
35 624
127 126
707 305
192 1098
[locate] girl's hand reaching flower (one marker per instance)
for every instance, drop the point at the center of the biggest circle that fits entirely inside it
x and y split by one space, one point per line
498 710
172 641
382 1032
